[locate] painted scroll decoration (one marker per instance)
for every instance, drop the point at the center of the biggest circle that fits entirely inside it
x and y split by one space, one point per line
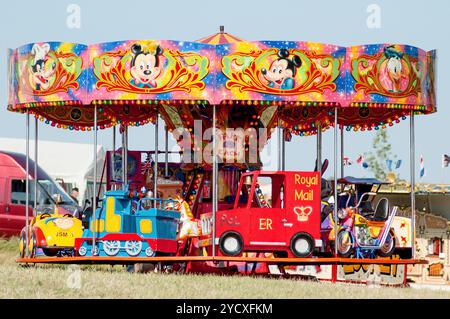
281 71
391 73
49 72
148 68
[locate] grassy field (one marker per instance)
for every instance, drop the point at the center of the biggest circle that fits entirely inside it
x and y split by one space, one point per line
114 282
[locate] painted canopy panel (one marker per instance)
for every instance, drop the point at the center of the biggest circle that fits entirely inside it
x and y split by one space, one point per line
152 70
281 71
61 80
48 72
386 73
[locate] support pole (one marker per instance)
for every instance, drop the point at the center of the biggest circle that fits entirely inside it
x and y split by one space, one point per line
319 147
124 157
412 165
114 149
155 168
283 151
36 139
27 186
335 181
280 137
342 152
166 154
214 182
94 197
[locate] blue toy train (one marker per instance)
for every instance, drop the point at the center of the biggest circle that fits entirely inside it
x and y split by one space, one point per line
130 225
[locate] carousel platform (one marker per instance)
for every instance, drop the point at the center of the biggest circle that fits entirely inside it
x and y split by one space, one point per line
177 259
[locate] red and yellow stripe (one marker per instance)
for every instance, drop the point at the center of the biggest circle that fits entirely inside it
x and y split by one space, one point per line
220 38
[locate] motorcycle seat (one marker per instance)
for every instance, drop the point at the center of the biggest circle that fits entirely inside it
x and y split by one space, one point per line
366 207
381 211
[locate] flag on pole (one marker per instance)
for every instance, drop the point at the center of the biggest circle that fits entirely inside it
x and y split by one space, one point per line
389 164
445 160
359 160
346 161
398 164
422 167
147 164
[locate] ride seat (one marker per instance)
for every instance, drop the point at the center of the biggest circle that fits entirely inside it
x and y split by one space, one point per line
366 207
382 210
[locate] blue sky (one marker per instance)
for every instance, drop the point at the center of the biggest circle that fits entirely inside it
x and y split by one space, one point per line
420 23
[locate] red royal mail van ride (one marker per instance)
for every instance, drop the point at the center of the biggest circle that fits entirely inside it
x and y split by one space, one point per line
274 212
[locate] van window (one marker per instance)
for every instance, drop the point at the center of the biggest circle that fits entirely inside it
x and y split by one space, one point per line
45 190
269 192
18 191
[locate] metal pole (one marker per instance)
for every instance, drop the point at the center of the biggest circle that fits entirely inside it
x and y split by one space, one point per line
27 190
335 182
155 169
114 150
36 138
283 151
214 182
319 147
342 151
166 148
123 158
279 158
94 199
126 156
412 164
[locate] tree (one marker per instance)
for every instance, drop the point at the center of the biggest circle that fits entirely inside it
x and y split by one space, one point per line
381 152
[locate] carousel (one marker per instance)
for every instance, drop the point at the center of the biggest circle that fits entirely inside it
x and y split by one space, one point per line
201 90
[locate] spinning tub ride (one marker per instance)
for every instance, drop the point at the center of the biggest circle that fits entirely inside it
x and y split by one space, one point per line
128 225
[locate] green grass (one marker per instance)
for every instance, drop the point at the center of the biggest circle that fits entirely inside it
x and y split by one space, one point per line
114 282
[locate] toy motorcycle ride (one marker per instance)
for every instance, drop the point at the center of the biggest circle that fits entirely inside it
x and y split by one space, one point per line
362 233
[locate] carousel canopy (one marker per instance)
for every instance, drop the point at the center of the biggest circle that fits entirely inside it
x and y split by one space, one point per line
220 38
300 83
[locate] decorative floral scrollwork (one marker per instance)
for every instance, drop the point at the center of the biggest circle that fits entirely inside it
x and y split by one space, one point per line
390 73
281 72
178 71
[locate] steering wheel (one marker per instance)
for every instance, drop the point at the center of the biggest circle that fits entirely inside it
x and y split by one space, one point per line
45 215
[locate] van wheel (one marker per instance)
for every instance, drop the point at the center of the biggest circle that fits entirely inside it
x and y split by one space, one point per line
302 245
231 243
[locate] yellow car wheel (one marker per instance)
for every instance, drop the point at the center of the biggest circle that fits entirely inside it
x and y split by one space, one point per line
32 246
22 244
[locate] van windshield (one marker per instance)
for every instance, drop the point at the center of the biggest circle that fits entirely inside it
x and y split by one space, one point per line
47 191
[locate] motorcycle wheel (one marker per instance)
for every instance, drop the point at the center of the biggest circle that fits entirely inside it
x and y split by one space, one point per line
389 246
345 243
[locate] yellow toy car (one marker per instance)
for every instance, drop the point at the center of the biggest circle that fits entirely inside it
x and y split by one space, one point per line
54 232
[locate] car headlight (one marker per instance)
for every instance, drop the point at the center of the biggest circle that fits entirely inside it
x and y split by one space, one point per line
342 213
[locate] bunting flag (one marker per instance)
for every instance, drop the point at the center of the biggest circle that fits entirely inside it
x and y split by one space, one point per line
398 164
422 167
359 160
389 165
347 161
445 160
147 164
365 165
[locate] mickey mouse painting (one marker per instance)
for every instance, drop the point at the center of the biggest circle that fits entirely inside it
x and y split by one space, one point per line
145 65
282 71
42 67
